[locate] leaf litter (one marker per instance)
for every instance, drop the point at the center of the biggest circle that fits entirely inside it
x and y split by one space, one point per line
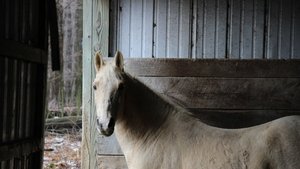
62 149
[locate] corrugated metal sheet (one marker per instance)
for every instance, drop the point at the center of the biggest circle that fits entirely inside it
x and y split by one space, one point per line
234 29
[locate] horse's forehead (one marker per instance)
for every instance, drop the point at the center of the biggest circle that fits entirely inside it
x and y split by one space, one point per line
107 74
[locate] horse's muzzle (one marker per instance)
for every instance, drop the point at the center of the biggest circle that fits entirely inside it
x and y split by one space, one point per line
106 129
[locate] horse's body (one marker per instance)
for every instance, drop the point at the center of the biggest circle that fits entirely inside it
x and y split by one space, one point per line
155 134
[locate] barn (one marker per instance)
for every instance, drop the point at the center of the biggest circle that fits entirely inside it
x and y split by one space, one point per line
233 63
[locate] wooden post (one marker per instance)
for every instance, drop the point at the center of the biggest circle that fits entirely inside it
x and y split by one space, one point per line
95 38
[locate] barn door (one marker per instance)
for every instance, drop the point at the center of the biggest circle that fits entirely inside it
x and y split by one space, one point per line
23 63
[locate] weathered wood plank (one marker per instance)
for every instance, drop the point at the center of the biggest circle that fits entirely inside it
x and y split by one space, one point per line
213 68
8 49
100 43
64 122
86 79
229 93
112 162
95 38
19 148
108 145
239 118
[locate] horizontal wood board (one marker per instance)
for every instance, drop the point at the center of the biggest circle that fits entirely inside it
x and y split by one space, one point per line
229 93
213 68
111 162
19 149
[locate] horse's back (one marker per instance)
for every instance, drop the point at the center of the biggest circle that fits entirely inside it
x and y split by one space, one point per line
283 141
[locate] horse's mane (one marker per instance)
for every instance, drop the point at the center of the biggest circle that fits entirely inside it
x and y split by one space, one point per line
145 111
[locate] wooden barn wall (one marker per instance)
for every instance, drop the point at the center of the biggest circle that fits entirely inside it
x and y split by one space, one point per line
23 60
233 29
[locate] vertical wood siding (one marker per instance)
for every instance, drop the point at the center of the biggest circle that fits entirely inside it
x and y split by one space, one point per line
233 29
95 38
23 60
17 99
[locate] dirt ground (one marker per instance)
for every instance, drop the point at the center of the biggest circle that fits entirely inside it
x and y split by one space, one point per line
62 149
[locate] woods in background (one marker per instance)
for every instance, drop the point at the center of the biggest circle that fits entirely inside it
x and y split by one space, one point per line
65 86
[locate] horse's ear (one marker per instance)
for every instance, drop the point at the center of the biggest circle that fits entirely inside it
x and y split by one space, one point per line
98 61
119 62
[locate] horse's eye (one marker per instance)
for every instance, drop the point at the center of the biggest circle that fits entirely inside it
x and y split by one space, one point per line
94 87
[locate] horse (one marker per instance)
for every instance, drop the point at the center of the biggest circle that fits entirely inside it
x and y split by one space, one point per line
155 133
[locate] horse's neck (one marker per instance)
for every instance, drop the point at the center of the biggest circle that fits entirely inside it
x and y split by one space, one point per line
144 111
147 117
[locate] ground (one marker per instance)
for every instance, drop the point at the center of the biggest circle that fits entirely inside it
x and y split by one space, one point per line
62 149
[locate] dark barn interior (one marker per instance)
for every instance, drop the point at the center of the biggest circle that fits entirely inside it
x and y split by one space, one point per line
23 63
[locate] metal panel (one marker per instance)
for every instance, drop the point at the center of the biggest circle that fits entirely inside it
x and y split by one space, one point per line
185 24
209 26
154 28
173 27
160 31
221 28
234 29
295 32
285 25
124 31
258 29
198 14
147 40
138 15
136 21
273 31
173 24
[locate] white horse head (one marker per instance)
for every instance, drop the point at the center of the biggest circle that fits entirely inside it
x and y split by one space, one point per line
108 90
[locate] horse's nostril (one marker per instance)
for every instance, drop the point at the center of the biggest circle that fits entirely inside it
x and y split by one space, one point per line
111 123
